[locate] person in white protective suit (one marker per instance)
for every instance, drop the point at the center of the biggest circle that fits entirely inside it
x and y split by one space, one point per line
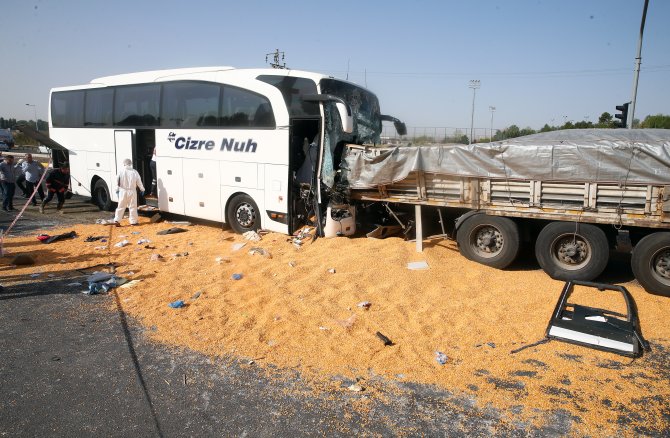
128 181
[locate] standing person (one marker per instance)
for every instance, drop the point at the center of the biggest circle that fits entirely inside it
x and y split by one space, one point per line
128 181
32 172
57 184
8 182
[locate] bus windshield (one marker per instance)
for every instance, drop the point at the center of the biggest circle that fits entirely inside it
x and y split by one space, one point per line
364 105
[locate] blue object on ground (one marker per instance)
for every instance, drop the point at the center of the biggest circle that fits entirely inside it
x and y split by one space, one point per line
237 276
440 357
177 304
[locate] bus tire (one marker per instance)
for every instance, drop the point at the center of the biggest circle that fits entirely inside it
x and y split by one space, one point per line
570 251
489 240
651 263
101 196
243 214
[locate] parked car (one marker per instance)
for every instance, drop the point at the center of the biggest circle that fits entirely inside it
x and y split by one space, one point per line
6 138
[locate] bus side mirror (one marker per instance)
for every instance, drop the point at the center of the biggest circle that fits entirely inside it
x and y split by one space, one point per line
400 128
346 117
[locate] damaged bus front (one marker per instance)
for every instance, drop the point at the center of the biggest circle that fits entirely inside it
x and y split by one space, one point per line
350 115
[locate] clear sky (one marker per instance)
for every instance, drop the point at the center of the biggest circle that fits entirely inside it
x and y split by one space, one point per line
538 61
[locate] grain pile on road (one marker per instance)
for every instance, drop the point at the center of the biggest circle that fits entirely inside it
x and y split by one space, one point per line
318 308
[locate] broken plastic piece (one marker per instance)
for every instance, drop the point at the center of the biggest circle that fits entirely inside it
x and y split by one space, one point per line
177 304
417 266
597 328
384 339
441 358
237 276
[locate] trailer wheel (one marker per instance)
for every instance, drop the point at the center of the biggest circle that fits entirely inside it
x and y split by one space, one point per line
243 214
489 240
651 263
569 251
101 196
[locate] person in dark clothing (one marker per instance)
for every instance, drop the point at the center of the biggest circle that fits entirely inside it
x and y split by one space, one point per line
7 182
57 183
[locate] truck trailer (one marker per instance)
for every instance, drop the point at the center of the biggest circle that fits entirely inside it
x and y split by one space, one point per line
572 193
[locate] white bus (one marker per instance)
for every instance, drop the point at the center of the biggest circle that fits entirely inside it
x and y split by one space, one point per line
250 147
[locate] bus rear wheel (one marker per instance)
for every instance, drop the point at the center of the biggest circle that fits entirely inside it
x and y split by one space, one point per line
243 214
489 240
570 251
651 263
101 196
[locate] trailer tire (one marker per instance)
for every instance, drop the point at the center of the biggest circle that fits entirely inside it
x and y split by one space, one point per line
489 240
572 251
243 214
101 196
651 263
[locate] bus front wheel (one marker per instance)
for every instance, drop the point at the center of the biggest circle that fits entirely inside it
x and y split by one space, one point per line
243 214
101 196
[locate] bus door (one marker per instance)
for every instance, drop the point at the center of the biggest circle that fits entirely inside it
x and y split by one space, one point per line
123 143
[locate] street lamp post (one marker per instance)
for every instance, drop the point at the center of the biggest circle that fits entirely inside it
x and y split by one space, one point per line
35 112
492 109
474 84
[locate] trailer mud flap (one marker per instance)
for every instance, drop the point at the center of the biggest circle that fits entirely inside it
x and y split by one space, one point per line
597 328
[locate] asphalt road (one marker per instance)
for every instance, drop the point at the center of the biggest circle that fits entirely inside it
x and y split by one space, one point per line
70 366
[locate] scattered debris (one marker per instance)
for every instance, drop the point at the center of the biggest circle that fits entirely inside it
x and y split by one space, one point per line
135 232
238 246
180 254
384 339
597 328
323 328
417 266
121 244
237 276
129 284
73 284
141 241
102 282
347 322
441 358
149 247
174 230
261 251
45 238
184 223
155 257
177 304
35 275
331 270
356 388
252 236
93 238
220 260
196 295
100 248
155 218
365 305
292 264
384 231
23 259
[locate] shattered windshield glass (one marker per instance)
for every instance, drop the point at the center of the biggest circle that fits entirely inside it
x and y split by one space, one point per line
367 124
365 107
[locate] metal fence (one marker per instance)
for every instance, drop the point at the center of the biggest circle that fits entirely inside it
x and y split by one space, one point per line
444 134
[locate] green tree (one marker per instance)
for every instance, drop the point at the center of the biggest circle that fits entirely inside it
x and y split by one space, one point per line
656 121
606 120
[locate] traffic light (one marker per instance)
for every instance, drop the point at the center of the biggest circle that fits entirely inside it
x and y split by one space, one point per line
624 114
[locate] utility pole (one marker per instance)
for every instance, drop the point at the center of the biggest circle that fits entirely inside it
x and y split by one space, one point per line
474 84
638 61
492 109
275 58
